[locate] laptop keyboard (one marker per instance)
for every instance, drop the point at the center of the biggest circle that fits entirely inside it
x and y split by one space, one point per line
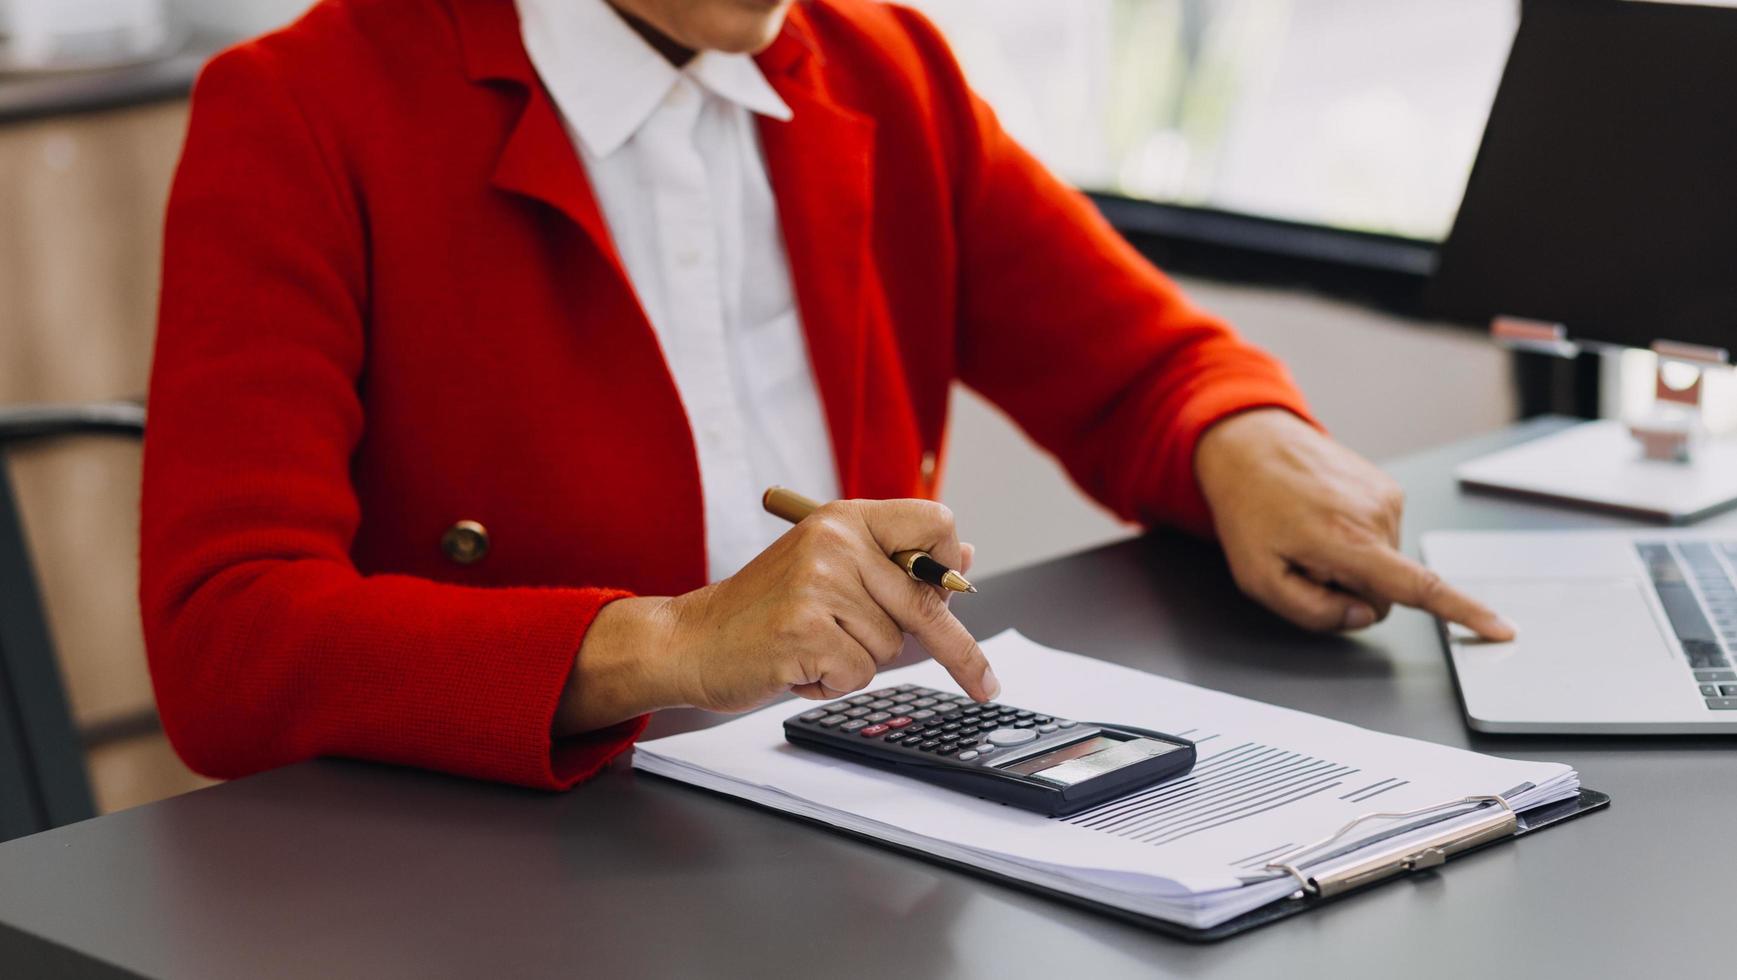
1694 583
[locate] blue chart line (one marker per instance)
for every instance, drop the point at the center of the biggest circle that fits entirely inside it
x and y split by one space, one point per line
1230 785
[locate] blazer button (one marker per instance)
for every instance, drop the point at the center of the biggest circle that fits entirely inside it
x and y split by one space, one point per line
926 466
465 542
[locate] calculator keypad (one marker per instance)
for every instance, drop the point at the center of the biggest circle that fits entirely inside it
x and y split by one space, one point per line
920 720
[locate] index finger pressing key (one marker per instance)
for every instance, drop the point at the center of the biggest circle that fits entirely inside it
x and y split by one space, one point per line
1392 575
920 611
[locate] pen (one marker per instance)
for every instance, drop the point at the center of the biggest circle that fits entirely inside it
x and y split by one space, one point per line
793 507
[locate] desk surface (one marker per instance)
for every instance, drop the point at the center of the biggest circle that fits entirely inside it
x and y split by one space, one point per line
338 869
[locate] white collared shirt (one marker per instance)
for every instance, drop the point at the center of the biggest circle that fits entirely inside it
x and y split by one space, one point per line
674 160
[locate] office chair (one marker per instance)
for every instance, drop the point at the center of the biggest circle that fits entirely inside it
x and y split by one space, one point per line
43 783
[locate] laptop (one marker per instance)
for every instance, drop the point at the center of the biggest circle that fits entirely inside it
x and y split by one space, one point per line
1620 632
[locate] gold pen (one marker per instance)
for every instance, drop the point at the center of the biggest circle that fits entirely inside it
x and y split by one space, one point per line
793 507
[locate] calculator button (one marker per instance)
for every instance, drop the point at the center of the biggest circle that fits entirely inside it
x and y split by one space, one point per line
885 692
920 715
907 688
832 721
860 699
815 715
1043 719
951 726
903 698
877 717
947 750
853 725
950 737
928 744
881 704
967 755
873 731
984 748
899 722
1024 714
924 702
1046 729
1064 723
968 730
973 709
1022 723
1011 736
855 712
894 737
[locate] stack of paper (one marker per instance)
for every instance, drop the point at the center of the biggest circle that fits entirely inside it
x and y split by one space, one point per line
1192 851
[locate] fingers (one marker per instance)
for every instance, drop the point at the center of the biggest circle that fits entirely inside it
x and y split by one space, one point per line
897 525
1387 573
881 604
1311 605
872 629
921 611
1344 582
842 667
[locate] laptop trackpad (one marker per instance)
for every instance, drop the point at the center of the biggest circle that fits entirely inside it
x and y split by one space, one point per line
1587 649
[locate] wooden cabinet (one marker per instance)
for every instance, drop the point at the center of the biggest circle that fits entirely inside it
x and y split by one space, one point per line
81 218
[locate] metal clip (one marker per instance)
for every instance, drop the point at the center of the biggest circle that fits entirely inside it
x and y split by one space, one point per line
1539 336
1386 862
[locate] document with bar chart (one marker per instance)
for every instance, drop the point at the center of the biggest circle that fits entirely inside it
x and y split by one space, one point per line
1195 851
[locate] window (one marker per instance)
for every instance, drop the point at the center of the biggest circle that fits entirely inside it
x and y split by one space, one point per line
1356 114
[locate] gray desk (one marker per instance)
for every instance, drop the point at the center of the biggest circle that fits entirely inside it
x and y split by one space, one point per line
338 869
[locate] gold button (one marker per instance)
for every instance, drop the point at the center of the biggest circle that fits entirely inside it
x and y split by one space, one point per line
927 467
465 542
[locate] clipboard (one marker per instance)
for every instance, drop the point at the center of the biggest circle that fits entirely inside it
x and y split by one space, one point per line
1372 867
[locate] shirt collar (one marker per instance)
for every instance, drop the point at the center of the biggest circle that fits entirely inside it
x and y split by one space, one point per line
608 81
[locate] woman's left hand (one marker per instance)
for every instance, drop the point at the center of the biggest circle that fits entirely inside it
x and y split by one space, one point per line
1311 529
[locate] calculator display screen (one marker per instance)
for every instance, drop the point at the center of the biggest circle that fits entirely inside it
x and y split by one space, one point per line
1088 758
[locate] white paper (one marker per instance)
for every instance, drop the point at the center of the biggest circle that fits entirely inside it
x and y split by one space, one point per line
1192 850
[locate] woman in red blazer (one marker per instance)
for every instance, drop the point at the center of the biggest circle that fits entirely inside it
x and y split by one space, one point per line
419 487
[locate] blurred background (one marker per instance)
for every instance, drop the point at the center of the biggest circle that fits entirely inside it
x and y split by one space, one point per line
1294 162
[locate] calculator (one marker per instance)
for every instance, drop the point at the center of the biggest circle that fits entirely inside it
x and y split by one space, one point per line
1024 758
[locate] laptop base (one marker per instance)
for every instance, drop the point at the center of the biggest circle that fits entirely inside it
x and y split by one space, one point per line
1600 465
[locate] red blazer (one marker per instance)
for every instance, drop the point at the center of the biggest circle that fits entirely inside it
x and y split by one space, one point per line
390 304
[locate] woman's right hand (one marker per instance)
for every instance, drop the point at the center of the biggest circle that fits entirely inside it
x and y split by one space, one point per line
817 613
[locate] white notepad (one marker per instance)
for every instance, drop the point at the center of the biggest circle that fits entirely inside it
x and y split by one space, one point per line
1192 851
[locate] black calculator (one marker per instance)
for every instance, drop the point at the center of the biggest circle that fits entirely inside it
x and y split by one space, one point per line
1055 766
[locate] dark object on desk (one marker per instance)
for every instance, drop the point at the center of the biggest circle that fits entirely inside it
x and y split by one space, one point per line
25 97
42 776
1602 196
1054 766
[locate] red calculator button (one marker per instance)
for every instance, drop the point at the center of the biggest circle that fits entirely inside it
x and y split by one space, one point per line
899 722
873 730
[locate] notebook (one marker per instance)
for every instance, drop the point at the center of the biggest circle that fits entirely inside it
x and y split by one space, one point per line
1272 787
